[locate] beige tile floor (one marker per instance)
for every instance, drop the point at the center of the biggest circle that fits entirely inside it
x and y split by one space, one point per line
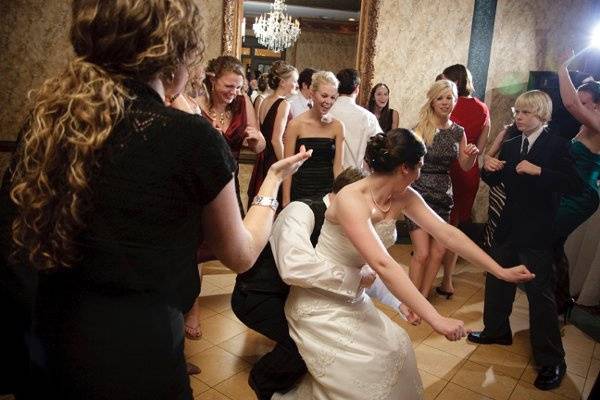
450 370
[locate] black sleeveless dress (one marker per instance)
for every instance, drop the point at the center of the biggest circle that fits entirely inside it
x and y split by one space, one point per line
314 179
267 157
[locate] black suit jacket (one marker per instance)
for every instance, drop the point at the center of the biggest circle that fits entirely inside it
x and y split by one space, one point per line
532 201
264 277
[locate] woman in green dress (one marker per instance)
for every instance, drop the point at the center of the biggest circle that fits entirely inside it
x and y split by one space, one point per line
584 105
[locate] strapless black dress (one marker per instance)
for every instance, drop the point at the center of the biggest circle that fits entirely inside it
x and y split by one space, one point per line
314 179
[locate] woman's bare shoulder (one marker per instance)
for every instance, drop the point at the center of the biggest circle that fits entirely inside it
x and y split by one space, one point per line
298 122
336 123
351 199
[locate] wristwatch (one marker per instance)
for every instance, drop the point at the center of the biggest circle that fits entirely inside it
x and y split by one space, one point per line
265 201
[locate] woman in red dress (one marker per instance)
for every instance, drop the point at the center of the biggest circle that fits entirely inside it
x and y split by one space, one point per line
231 114
229 111
473 115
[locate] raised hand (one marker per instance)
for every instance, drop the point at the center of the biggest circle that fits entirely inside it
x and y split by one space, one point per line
492 164
517 274
287 166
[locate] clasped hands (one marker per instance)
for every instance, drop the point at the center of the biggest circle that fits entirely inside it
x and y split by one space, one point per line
471 150
524 167
254 139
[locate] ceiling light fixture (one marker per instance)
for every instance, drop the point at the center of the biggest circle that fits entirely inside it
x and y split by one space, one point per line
276 30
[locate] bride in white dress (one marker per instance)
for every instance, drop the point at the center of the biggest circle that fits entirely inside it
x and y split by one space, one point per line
353 350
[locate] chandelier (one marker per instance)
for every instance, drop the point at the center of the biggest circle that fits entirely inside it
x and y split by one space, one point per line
275 30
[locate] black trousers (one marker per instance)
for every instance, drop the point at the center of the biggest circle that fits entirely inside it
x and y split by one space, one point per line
280 369
543 318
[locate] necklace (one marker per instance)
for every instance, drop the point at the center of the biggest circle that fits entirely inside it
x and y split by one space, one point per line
221 117
378 206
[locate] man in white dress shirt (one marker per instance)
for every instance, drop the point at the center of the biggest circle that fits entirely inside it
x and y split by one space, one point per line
259 294
360 123
302 101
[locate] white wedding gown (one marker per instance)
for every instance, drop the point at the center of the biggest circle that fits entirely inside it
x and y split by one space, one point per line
352 350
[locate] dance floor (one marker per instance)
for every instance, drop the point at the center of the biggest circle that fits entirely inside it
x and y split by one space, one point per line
449 370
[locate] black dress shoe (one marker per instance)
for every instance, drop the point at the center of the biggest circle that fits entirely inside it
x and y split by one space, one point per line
482 338
550 377
259 394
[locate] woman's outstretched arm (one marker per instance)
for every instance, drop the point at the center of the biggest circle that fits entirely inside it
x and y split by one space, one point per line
355 218
452 238
238 243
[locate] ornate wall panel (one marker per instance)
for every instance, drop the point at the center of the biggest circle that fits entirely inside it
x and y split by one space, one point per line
416 40
367 36
323 50
35 46
212 26
233 11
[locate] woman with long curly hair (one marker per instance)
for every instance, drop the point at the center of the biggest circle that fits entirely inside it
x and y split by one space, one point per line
110 194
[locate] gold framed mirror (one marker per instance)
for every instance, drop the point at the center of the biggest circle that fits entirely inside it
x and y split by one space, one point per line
233 11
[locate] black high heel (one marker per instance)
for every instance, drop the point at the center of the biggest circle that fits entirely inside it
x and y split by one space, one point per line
443 293
569 305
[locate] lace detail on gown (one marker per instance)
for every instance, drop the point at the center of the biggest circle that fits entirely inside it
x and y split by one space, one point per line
352 350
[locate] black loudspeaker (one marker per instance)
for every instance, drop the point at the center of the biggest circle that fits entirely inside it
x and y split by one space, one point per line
562 122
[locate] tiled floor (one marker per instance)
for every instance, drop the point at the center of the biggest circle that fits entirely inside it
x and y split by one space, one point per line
450 370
